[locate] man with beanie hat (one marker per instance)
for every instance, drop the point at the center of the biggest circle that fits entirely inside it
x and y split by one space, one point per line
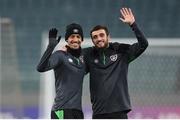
69 70
73 29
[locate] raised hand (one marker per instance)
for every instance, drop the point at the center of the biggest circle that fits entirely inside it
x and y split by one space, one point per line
127 16
53 40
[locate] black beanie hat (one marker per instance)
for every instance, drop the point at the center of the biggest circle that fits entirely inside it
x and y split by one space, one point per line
73 29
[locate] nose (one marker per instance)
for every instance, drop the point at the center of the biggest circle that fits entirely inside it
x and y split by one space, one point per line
76 39
99 38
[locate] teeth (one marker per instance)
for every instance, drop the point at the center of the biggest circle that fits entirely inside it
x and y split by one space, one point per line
100 42
75 43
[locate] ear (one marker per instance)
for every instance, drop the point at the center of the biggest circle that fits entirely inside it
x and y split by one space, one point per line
81 40
92 41
108 37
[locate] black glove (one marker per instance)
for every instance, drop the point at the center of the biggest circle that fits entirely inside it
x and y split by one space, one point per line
52 37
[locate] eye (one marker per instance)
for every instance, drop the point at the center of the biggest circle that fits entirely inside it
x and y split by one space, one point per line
94 37
72 36
78 36
101 34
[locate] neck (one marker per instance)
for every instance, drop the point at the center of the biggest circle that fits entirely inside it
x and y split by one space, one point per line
102 48
74 52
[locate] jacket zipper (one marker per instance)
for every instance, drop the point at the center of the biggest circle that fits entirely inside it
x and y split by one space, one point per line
77 61
104 58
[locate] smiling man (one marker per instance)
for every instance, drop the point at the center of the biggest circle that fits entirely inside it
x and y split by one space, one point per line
108 64
69 70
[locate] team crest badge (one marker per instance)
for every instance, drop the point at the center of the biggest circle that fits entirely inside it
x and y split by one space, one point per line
96 61
70 60
113 57
75 31
81 58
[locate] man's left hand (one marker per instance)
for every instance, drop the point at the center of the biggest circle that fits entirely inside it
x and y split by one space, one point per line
127 16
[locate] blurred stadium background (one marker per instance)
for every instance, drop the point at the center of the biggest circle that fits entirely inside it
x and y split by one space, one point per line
154 78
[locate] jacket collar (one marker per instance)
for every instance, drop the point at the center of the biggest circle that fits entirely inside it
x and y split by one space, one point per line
74 52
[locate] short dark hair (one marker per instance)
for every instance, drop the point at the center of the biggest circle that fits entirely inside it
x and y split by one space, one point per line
98 27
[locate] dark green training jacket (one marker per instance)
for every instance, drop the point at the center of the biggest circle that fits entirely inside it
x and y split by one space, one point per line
108 70
69 70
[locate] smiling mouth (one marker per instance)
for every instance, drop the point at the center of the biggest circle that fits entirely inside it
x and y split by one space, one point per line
75 44
100 42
